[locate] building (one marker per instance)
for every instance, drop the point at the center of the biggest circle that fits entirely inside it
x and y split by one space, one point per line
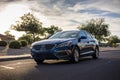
5 37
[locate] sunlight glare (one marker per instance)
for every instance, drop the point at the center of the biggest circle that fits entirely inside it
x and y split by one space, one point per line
10 15
13 12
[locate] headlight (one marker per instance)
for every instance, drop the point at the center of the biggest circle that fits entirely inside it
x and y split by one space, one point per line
31 47
68 43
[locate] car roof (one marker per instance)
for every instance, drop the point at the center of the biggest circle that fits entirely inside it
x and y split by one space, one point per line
73 30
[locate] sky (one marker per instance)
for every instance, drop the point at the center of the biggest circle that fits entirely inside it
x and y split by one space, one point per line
67 14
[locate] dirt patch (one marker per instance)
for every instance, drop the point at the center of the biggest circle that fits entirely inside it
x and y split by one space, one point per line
3 51
9 51
2 48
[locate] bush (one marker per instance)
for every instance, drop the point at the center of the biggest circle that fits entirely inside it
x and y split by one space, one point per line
23 43
3 43
27 37
114 45
15 45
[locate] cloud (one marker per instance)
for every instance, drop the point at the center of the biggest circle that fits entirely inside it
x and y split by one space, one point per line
103 5
108 5
76 7
48 8
69 14
8 0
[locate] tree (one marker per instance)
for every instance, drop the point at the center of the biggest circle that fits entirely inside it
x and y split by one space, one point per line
96 27
27 37
113 40
30 24
52 29
9 35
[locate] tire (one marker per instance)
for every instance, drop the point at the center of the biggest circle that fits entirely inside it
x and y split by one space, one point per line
75 55
96 54
39 60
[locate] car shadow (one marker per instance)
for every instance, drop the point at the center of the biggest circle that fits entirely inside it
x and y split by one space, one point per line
64 62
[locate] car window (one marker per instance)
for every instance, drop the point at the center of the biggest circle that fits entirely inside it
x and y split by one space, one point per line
82 33
65 34
89 36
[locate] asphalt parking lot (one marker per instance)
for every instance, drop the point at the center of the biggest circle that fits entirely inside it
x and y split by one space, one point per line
107 67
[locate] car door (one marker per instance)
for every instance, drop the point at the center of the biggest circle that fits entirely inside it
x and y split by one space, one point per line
83 42
91 42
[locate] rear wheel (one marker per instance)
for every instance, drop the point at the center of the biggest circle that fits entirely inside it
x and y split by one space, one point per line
96 54
75 56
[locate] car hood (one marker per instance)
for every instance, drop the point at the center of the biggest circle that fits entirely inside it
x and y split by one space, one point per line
52 41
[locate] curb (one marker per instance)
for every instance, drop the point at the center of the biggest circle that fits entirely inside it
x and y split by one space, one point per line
28 56
9 58
109 50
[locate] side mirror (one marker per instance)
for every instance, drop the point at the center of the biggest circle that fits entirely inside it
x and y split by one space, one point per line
82 37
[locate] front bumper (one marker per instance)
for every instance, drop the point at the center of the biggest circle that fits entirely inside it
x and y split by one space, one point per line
61 53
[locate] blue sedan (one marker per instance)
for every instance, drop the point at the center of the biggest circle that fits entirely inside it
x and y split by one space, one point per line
70 45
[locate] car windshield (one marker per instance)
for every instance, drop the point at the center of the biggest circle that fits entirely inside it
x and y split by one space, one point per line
65 34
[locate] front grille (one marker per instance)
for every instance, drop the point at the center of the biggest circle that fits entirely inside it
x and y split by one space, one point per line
47 56
49 46
45 46
61 54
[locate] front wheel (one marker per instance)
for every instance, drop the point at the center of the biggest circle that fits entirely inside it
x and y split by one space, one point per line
75 55
96 54
39 60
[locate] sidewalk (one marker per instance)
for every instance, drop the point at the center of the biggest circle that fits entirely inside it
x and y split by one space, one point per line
7 54
102 49
28 56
